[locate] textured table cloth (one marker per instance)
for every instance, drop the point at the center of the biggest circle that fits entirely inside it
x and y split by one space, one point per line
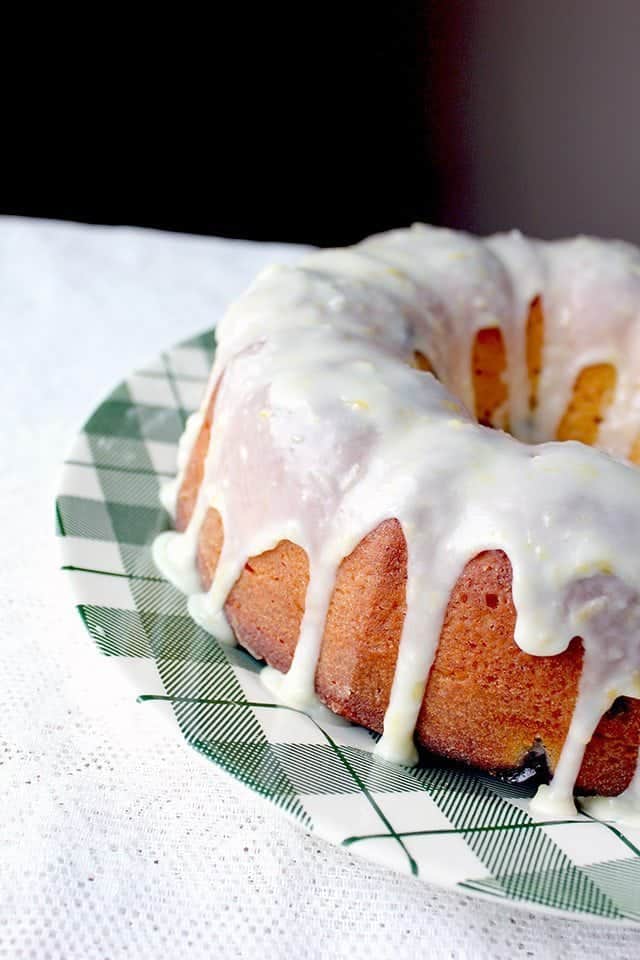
118 841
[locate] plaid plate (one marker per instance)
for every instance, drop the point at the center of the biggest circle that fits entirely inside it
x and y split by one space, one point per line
445 824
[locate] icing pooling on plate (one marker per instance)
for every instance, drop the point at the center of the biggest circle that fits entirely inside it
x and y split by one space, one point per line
324 429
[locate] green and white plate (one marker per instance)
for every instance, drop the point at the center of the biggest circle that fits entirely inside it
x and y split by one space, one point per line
444 824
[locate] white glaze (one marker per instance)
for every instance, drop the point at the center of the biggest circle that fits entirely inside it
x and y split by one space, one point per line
323 429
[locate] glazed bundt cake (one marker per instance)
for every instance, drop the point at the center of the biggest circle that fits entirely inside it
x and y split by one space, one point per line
373 500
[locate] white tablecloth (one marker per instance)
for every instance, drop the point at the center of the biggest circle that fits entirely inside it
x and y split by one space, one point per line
117 842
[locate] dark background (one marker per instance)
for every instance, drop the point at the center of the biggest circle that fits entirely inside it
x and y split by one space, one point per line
322 125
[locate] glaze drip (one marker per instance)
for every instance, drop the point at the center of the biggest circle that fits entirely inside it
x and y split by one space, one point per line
324 429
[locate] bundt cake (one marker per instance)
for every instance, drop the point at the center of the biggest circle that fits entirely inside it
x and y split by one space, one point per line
373 500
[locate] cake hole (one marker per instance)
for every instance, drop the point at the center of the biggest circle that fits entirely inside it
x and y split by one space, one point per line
534 345
593 392
491 600
489 365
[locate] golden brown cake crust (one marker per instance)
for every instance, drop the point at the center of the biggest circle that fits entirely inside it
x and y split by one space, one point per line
486 703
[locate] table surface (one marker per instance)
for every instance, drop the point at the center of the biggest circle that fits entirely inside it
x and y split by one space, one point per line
116 841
